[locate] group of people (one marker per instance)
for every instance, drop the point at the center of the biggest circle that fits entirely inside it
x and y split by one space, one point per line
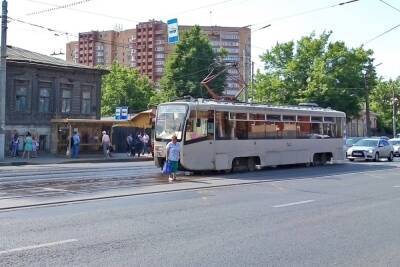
30 145
138 144
76 141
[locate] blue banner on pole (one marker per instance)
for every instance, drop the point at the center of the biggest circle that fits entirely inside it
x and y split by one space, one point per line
124 113
173 33
118 113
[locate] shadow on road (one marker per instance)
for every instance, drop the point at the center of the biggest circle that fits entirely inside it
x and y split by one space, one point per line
329 171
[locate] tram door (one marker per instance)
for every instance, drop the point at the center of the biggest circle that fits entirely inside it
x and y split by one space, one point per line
199 152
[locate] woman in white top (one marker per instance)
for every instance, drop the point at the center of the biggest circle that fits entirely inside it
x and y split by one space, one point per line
173 155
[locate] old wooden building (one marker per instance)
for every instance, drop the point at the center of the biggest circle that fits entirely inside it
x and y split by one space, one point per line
41 88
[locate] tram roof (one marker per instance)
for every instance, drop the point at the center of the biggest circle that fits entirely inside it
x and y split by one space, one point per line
277 108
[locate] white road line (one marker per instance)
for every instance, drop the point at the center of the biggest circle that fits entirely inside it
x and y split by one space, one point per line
54 189
38 246
293 203
396 186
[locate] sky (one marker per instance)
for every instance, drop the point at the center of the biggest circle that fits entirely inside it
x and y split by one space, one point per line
354 23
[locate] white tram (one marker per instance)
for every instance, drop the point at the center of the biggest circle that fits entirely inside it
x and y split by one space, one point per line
231 136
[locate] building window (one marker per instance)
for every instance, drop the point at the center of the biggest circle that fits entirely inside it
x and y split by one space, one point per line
66 101
44 100
21 98
86 102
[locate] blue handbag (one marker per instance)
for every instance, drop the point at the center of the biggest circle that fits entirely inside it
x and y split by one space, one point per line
167 167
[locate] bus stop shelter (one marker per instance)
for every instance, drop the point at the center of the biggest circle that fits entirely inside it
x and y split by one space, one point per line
89 131
142 121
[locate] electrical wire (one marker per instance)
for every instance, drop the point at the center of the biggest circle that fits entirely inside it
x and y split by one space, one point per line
85 11
314 10
380 35
395 8
58 7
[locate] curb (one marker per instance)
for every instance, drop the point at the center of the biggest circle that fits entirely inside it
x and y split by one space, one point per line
23 163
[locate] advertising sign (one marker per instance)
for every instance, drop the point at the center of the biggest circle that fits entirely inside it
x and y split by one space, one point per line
173 33
124 113
118 113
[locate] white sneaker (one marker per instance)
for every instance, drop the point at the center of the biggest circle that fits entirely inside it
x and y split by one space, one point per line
170 179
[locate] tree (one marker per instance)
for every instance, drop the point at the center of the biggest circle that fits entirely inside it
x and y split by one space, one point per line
124 86
188 65
382 102
313 69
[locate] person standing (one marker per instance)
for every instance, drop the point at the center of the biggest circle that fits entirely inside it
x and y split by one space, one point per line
139 144
27 146
129 143
14 145
106 142
173 156
146 139
76 141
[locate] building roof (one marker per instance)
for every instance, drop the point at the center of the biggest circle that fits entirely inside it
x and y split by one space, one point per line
16 54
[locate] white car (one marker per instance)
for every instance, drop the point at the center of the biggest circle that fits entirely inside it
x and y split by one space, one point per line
371 149
395 142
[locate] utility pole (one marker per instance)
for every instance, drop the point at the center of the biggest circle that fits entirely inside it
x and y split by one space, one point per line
252 80
367 112
3 76
394 114
246 90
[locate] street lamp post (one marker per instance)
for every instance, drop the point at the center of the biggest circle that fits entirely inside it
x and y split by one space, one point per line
367 113
394 103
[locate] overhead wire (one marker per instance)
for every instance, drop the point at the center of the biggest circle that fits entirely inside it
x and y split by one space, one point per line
380 35
58 7
85 11
393 7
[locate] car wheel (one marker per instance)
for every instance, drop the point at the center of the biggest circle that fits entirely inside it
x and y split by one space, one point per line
390 158
376 157
351 159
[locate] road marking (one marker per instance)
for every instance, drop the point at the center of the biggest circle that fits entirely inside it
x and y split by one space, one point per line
396 186
38 246
293 203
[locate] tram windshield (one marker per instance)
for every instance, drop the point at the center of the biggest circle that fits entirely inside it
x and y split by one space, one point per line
170 120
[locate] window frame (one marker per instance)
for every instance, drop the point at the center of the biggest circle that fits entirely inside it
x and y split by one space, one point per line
62 100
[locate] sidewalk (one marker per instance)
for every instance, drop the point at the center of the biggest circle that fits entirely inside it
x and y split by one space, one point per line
83 158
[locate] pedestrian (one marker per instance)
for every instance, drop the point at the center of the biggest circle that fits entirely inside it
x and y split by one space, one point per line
146 140
139 144
27 145
173 156
14 145
106 142
34 147
129 143
76 141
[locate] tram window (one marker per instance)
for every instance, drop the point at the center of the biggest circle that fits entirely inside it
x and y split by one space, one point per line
303 118
289 130
238 116
270 130
329 119
316 130
329 129
256 130
316 119
273 117
241 130
223 126
199 124
339 127
289 118
256 117
303 130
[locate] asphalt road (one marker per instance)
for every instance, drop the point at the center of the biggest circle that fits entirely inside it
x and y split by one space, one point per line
339 215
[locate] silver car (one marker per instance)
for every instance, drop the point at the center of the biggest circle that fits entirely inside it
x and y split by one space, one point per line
395 142
371 149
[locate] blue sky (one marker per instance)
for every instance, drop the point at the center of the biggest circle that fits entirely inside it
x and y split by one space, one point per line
354 23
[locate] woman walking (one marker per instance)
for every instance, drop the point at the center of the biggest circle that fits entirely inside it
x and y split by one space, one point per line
28 145
173 156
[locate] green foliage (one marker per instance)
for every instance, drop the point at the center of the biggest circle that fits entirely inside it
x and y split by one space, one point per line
382 102
187 66
315 70
125 86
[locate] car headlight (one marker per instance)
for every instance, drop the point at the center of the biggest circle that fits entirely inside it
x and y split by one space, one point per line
370 151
